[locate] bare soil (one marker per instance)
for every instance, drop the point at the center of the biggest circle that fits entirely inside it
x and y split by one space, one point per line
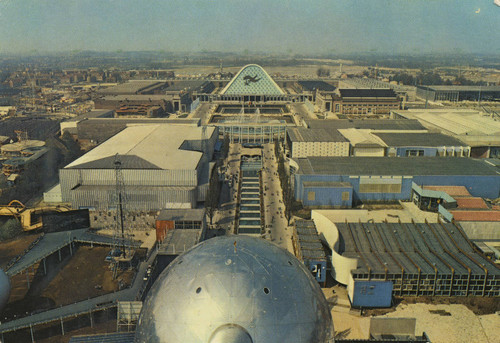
13 247
86 275
478 305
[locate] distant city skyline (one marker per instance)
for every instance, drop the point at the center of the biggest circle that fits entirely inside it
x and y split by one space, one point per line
281 26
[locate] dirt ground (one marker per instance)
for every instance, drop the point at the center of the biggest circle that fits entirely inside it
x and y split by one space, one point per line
13 247
452 323
86 275
478 305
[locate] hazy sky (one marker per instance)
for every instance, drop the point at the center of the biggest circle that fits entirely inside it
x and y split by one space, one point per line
293 26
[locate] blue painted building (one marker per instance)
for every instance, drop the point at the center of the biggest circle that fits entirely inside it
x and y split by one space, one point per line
388 178
418 144
371 293
333 194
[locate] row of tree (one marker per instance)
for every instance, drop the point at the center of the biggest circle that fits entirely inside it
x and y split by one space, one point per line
214 186
431 78
286 186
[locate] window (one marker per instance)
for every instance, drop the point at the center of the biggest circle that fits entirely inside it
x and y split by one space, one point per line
345 196
414 153
311 196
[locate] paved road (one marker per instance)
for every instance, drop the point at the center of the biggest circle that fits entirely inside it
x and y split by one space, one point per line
273 201
303 112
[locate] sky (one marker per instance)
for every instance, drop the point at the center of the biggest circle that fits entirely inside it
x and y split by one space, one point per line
273 26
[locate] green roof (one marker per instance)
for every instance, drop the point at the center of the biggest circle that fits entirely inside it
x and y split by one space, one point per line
252 80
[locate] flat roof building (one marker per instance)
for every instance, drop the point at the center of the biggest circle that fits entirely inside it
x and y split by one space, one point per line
422 144
162 166
416 259
390 179
458 93
304 142
478 130
135 87
372 124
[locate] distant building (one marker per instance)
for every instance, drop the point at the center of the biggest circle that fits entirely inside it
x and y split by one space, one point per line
70 125
135 87
480 131
304 142
410 144
458 93
139 111
94 131
163 166
360 101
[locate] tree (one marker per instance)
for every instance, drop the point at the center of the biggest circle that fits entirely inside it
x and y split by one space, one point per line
10 229
323 72
212 199
225 146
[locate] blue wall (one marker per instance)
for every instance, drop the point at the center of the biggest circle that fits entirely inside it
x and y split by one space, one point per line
327 196
401 152
480 186
317 268
372 294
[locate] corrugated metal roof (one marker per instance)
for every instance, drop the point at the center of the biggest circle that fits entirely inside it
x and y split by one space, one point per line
373 124
163 146
453 191
182 214
314 135
308 241
476 216
178 240
367 93
326 184
372 243
116 337
471 203
314 84
395 166
410 139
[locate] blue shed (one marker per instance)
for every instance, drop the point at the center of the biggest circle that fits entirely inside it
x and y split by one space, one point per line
370 293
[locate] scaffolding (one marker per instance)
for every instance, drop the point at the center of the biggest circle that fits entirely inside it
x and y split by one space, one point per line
127 315
121 254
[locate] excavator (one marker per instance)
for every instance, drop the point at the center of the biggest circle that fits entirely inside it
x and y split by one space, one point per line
29 218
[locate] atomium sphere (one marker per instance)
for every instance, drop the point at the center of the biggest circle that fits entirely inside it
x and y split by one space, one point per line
4 289
235 289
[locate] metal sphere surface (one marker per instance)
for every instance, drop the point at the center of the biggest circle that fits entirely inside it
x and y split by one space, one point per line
4 289
235 289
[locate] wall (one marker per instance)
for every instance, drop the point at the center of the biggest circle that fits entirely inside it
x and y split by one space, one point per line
478 186
368 151
327 196
403 194
372 294
162 226
328 232
305 149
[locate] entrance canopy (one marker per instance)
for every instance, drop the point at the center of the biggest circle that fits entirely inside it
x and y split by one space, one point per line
252 80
